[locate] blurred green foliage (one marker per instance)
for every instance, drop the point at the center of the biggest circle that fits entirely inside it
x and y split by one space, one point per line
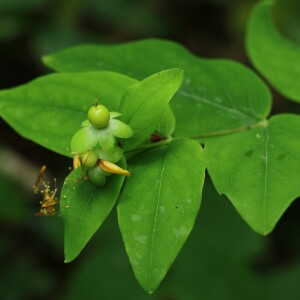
222 259
287 17
11 201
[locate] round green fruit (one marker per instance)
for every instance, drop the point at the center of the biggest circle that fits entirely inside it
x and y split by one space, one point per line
96 176
99 116
89 159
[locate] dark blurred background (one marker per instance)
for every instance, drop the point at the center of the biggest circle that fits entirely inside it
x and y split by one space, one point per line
223 258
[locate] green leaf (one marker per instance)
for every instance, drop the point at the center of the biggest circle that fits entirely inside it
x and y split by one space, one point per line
274 56
167 124
158 207
258 170
50 109
143 104
218 252
216 95
84 207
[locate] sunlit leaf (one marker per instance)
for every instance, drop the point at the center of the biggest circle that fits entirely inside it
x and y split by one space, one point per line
143 104
158 207
50 109
258 170
167 124
216 95
84 207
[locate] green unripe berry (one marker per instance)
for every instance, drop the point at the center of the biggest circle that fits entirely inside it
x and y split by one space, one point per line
99 116
89 159
96 176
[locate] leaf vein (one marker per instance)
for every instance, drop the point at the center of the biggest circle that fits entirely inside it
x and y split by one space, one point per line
217 105
155 220
265 179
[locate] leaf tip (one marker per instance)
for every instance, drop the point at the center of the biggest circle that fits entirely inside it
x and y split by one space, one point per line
150 289
46 59
71 255
68 260
173 72
264 231
179 72
263 228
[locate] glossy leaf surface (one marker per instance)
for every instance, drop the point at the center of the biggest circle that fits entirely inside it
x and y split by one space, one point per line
216 95
217 253
84 207
50 109
258 170
167 124
144 103
158 207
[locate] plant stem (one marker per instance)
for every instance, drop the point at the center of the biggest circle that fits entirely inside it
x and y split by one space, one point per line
262 123
152 145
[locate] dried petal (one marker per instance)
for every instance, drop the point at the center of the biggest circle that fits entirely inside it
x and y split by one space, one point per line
112 168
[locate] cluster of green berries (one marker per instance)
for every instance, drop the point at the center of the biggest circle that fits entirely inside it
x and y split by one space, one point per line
95 144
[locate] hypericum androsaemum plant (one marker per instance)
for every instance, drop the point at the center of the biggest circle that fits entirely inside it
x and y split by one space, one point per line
252 158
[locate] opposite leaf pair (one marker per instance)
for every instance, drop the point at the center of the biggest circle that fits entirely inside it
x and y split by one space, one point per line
217 103
159 202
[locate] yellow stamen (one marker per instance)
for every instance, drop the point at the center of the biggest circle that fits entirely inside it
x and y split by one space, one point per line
38 179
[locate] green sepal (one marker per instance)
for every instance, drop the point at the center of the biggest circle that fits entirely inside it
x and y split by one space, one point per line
84 140
120 129
86 123
113 156
114 114
106 140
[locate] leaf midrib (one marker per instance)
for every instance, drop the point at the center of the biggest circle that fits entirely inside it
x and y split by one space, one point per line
83 212
217 105
155 220
264 203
